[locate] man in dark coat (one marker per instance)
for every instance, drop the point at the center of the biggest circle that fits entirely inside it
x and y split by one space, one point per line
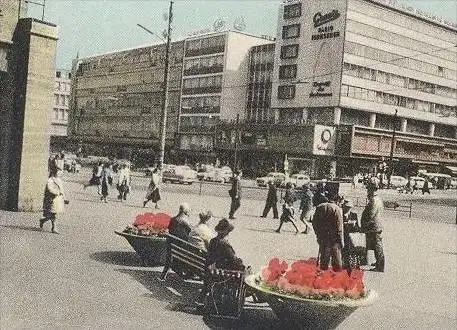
235 194
272 201
320 195
179 226
328 227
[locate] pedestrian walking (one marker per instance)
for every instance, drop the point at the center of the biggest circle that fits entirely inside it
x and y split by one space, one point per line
272 201
53 200
425 187
153 192
320 196
371 226
106 178
95 180
306 207
123 182
235 193
328 227
287 215
289 194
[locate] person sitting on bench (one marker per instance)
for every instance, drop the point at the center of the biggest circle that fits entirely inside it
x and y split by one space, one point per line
179 226
201 234
220 253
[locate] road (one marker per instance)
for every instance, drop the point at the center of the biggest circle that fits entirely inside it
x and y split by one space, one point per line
89 278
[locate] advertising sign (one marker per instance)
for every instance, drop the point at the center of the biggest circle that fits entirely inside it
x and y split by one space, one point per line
322 43
324 141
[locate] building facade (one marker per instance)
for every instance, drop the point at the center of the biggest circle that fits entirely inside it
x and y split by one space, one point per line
357 62
117 98
59 115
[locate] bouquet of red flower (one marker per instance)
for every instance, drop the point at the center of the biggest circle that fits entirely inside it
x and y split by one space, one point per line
305 279
148 224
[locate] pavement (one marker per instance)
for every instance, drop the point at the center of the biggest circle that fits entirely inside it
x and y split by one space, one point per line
87 277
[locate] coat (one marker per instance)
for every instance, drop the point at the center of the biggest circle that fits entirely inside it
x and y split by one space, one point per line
235 190
272 197
328 224
153 193
290 195
306 203
222 255
288 213
371 216
179 226
54 198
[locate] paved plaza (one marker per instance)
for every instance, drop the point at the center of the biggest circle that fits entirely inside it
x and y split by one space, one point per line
88 277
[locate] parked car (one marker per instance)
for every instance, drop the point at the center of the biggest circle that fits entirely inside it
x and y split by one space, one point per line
205 173
179 174
418 182
297 180
276 177
397 181
148 170
222 175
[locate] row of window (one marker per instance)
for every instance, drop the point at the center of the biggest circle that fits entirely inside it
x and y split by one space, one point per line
62 100
291 31
204 65
402 61
399 40
396 100
396 80
198 122
60 114
62 86
212 81
205 46
205 104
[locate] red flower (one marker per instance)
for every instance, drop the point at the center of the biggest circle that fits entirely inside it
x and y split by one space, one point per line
275 269
156 223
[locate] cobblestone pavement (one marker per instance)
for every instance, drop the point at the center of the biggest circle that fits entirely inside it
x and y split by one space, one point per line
88 277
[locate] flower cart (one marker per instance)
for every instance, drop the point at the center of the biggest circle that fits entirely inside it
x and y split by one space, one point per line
147 236
307 297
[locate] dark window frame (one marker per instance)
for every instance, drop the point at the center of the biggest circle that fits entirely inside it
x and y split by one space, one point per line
287 9
284 28
284 68
283 51
281 94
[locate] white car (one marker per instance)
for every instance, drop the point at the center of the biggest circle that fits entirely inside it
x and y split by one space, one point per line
297 180
222 175
179 174
418 182
276 177
397 181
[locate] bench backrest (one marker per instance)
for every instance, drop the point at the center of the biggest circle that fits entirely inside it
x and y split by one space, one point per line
185 254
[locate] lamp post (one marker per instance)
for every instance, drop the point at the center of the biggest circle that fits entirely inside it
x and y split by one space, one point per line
392 146
163 124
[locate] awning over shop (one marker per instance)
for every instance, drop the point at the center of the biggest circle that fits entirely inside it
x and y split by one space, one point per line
453 169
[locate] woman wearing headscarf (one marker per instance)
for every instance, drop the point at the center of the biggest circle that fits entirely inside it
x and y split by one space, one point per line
53 200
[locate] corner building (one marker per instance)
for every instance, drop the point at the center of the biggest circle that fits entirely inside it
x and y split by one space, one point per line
350 64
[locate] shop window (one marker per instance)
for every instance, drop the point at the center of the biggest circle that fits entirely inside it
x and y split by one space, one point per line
291 31
288 71
286 92
289 51
292 11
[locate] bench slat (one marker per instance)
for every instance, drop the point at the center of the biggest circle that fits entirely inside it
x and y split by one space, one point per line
187 258
179 248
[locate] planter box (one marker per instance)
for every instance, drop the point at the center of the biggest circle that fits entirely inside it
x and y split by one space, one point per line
309 313
151 249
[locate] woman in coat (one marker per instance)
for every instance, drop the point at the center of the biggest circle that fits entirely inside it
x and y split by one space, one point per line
153 192
53 200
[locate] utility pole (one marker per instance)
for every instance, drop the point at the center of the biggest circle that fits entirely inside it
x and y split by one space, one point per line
236 142
163 125
392 146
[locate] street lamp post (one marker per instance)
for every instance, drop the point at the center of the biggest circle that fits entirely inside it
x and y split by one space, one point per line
392 146
163 125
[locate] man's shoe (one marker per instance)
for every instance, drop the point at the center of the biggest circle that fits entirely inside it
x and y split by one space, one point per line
42 223
376 269
144 203
278 231
263 216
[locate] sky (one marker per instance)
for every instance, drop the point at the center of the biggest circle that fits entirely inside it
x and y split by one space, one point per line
91 27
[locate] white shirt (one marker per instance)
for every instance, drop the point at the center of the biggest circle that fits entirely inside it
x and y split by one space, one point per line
200 236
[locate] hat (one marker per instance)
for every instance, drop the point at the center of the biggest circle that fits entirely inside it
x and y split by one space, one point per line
224 226
347 203
205 215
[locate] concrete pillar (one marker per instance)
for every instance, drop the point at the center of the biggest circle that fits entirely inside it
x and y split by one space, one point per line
404 122
336 115
34 48
372 120
431 129
305 115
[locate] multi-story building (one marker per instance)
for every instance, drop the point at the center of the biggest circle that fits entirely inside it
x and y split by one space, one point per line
357 62
117 100
215 71
59 117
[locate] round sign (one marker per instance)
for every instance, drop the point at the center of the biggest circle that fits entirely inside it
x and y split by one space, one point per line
326 135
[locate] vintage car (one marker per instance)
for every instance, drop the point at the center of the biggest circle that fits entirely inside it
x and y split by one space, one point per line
276 177
297 180
222 175
179 174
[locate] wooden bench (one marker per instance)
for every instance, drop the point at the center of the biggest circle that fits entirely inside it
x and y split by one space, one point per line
186 258
223 291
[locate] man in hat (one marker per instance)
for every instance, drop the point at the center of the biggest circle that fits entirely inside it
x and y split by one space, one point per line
201 234
272 201
328 227
220 252
235 193
371 226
